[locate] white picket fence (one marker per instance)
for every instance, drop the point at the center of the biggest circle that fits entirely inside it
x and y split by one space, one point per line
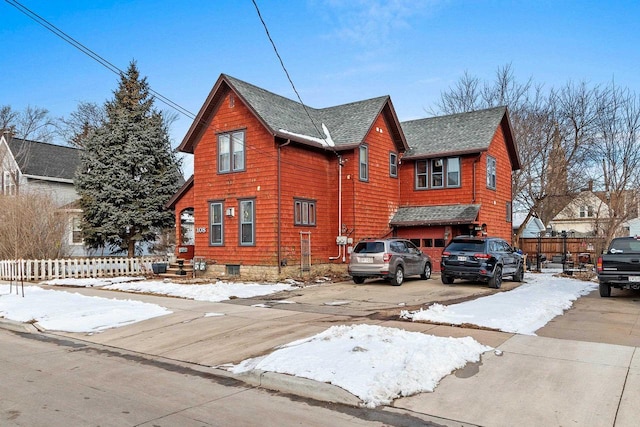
37 270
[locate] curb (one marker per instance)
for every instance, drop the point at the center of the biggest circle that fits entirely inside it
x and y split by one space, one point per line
15 326
298 386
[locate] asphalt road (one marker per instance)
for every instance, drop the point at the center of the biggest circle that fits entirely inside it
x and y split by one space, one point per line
51 381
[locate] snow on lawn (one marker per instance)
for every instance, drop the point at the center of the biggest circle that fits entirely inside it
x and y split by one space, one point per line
376 364
90 282
72 312
522 310
219 291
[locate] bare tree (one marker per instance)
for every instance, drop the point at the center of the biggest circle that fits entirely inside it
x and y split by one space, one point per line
32 227
81 123
33 123
615 153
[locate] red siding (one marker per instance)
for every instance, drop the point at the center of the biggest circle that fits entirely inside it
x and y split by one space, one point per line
255 182
370 205
312 173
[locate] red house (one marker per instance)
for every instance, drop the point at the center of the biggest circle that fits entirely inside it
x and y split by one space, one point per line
279 187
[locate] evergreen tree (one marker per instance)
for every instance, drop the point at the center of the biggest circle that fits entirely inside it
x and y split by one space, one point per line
128 170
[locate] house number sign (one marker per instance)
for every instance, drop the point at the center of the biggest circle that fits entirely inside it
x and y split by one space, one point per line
201 230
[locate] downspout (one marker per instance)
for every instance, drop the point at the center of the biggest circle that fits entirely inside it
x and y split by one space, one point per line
279 238
341 251
475 162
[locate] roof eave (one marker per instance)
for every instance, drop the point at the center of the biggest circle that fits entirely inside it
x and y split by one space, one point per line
445 154
178 194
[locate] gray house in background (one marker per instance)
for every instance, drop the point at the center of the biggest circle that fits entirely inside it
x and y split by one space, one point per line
32 166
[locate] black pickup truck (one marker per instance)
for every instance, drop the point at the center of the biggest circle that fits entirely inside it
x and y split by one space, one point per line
619 267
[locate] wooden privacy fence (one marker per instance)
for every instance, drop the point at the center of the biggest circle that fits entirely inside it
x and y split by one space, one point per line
37 270
552 247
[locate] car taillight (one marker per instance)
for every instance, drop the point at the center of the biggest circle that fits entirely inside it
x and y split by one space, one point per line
482 256
386 257
599 264
446 254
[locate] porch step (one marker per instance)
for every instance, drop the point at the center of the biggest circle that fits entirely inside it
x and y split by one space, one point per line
173 270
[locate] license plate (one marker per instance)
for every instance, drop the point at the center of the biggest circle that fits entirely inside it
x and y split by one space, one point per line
462 258
367 260
634 278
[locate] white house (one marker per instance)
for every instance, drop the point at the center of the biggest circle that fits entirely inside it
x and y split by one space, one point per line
582 215
31 166
533 227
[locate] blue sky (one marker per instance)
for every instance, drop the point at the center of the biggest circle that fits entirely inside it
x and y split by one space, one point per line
336 51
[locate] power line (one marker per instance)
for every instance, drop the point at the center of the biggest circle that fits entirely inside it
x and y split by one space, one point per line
93 55
116 70
275 49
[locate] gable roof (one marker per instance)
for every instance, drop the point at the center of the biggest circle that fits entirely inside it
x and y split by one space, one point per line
435 215
457 134
43 160
334 128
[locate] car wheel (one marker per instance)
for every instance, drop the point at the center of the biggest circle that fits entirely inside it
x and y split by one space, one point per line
605 290
358 280
447 280
398 277
519 274
496 281
426 274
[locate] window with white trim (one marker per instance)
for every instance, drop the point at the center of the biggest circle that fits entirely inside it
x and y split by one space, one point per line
586 211
247 223
304 212
76 230
216 224
9 185
491 173
231 152
364 163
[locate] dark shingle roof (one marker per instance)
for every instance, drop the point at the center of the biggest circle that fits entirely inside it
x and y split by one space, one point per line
435 215
456 133
43 159
348 124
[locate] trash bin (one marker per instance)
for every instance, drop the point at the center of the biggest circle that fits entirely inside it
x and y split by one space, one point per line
159 267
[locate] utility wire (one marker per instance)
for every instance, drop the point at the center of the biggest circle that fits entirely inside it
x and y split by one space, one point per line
84 49
275 49
114 69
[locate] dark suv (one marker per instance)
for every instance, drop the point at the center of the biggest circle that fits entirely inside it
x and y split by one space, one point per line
483 259
391 259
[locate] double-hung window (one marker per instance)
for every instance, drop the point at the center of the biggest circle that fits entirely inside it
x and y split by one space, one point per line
491 172
393 165
9 186
216 224
437 173
76 230
421 174
231 152
304 212
453 172
247 223
364 163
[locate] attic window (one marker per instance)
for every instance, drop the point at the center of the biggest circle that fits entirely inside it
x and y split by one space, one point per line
232 101
231 152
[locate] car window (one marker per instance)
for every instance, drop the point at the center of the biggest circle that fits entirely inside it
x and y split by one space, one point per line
412 248
369 247
466 246
397 246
